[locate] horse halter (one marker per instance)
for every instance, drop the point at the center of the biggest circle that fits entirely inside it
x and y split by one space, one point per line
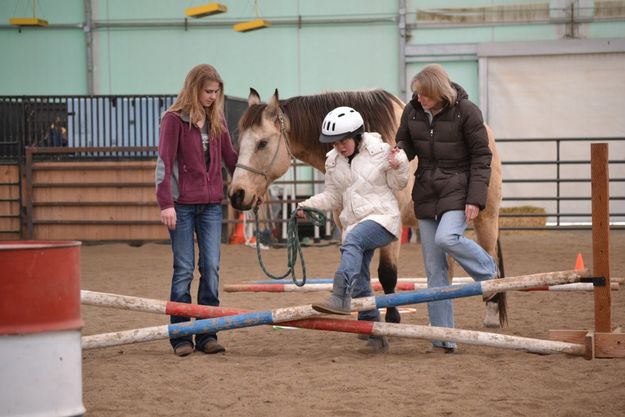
275 155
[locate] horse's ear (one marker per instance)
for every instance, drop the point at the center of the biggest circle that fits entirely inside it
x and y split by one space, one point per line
273 107
274 102
274 112
253 98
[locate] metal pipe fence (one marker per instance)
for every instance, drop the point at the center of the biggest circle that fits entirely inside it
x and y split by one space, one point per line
88 121
560 185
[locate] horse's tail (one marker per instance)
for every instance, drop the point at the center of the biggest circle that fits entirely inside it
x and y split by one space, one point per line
500 259
502 301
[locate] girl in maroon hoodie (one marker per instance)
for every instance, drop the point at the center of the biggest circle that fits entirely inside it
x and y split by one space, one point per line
194 140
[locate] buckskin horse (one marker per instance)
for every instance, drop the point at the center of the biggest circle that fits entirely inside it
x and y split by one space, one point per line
271 134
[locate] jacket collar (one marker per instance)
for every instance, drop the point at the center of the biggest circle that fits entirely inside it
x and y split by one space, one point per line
186 117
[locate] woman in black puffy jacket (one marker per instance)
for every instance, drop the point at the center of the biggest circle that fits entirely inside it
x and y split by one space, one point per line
446 132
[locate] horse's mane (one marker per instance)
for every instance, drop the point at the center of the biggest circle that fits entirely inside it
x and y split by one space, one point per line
252 116
305 114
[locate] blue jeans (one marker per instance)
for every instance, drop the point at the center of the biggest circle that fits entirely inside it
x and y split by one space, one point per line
356 253
446 236
203 220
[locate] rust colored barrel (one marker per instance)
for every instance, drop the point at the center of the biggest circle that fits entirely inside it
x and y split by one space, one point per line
40 329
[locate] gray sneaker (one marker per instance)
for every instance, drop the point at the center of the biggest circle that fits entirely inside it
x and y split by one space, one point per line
335 305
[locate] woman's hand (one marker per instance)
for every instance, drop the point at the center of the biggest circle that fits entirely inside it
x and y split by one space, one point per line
300 213
168 218
470 212
392 158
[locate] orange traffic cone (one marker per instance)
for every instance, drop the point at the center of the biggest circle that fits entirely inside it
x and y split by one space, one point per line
405 235
579 263
238 236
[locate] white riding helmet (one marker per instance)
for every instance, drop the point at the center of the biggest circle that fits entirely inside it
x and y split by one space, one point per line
341 123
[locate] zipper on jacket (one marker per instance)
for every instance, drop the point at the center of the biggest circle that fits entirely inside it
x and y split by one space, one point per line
432 142
434 167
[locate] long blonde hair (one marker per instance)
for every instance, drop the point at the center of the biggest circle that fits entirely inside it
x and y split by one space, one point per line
434 82
188 100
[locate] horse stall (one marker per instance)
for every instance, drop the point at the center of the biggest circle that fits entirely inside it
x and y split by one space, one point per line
9 202
90 200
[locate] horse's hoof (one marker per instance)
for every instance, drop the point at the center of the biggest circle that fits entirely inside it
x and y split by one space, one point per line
378 344
491 317
441 349
392 315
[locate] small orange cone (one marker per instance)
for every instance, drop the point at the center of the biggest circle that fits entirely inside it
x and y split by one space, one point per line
405 235
579 263
238 236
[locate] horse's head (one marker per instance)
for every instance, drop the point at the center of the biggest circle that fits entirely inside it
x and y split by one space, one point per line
263 151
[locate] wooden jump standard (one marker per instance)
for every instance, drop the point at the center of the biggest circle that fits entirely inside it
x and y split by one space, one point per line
300 312
336 325
602 342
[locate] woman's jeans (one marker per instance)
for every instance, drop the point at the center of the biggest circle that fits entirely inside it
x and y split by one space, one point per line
203 220
356 253
446 236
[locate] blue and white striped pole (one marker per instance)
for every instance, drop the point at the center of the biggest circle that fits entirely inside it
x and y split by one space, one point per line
213 325
468 290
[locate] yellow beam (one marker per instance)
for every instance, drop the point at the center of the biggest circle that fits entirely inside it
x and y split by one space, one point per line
27 21
251 25
206 10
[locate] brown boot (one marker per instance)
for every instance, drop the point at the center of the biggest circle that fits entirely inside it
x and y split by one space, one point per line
183 349
212 347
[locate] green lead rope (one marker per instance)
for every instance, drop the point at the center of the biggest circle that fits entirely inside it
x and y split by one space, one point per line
292 243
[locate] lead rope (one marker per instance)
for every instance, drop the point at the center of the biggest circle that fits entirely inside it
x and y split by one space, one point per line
292 243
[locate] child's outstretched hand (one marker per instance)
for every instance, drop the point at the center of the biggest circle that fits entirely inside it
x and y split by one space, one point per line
392 158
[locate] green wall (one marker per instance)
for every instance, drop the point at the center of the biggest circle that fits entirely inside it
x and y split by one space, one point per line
143 46
38 60
138 50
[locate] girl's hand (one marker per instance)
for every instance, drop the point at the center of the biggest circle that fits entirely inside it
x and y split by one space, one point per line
168 218
392 158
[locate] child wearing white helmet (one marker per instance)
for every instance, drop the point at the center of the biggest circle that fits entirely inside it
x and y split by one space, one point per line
362 173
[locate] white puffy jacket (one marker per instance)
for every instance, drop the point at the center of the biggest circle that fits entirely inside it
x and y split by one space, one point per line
364 189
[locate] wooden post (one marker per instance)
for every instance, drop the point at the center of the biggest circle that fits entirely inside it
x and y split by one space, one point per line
601 234
604 343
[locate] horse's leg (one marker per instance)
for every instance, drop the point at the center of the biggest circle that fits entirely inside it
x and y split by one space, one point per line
451 265
487 230
487 233
387 274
